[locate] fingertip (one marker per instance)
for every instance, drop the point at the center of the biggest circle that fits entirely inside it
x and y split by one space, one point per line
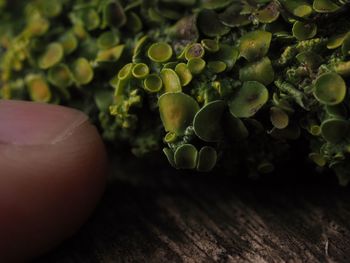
48 186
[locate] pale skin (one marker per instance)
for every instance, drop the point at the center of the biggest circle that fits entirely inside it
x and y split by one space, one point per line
52 174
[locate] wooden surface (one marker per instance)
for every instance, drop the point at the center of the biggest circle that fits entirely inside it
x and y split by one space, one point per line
149 214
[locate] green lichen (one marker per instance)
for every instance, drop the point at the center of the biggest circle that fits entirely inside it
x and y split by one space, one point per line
216 84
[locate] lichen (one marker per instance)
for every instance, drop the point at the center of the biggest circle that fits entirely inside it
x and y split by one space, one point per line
218 84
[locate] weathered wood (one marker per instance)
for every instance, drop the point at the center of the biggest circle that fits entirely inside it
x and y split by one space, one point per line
150 215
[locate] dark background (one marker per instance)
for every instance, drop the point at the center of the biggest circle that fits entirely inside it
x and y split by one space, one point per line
154 214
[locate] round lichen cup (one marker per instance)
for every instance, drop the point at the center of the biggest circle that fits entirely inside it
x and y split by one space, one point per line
330 89
153 83
140 71
160 52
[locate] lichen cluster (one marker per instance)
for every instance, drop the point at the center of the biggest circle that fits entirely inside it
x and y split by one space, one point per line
214 83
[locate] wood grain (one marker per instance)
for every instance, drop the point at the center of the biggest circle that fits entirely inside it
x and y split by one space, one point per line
151 214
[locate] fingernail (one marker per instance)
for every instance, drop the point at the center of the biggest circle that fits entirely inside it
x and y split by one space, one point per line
28 123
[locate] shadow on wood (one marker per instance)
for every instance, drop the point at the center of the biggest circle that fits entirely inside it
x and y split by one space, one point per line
179 217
